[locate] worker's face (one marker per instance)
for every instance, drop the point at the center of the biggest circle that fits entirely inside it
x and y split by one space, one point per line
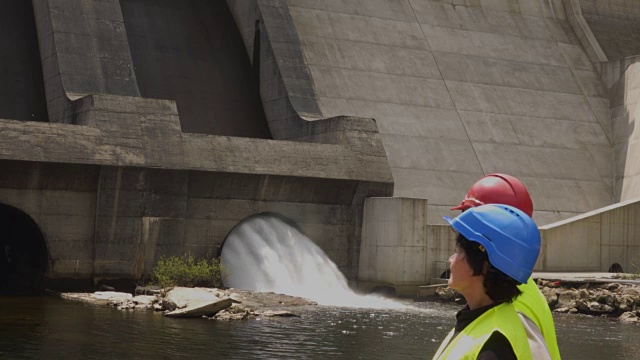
461 273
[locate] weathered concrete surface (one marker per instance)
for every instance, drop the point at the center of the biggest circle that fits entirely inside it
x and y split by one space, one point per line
625 111
615 24
595 240
191 52
21 83
114 183
84 50
457 92
115 222
145 132
398 248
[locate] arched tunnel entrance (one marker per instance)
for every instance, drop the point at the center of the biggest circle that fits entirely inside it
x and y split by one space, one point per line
23 252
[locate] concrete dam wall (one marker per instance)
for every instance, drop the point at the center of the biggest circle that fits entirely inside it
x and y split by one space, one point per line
462 89
133 129
156 144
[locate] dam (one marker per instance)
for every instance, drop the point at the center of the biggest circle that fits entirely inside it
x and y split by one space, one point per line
135 129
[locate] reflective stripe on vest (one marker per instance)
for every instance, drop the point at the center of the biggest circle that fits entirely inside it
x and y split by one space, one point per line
468 343
534 305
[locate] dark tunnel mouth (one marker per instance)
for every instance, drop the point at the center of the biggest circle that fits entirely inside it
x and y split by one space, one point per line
23 252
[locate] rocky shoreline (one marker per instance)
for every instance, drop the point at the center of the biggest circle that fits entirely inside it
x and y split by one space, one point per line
610 299
207 303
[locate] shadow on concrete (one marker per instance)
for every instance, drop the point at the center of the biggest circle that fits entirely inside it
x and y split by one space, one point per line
192 52
21 84
23 252
622 129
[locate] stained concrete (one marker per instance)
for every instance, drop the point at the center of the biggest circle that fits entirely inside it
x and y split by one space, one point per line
624 111
458 89
463 90
596 240
21 83
192 52
114 180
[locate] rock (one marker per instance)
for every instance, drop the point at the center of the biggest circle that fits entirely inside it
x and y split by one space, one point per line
181 297
280 313
106 288
200 308
552 299
126 306
227 316
583 293
567 299
562 310
146 300
629 317
593 307
149 290
157 307
613 286
631 291
446 293
236 298
625 303
112 296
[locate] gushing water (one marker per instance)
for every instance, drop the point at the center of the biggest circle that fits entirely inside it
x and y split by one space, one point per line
266 254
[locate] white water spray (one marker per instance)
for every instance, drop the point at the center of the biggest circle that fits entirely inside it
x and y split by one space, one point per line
266 254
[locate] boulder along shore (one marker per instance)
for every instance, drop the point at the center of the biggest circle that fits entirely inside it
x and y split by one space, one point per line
611 299
207 303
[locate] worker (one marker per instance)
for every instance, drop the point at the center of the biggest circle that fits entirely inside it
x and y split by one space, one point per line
496 249
507 189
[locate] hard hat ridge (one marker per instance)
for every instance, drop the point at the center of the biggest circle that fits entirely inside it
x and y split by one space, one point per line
498 189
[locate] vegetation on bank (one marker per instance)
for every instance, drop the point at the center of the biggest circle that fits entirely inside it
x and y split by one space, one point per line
187 271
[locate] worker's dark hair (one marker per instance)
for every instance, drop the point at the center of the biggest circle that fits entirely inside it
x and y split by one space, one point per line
499 286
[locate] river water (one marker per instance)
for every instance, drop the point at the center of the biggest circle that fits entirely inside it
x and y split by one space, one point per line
266 253
47 327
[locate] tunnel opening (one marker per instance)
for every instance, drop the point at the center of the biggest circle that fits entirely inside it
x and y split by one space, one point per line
22 95
23 252
192 52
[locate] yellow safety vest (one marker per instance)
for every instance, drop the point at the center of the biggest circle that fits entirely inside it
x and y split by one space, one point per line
534 305
468 343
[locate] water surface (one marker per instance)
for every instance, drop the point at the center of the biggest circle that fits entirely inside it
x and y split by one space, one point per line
51 328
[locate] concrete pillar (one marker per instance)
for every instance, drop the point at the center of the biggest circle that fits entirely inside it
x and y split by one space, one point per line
84 50
394 245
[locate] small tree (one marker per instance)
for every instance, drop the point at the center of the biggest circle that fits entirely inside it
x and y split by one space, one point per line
187 271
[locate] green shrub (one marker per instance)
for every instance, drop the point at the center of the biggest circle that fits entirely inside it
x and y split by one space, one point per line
187 271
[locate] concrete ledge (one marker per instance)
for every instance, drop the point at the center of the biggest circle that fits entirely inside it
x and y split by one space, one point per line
144 132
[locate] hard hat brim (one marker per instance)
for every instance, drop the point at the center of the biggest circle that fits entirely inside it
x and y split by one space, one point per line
460 207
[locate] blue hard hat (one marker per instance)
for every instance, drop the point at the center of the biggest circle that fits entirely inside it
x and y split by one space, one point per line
510 236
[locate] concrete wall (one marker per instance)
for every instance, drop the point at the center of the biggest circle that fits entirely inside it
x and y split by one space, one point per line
398 248
594 240
114 222
84 50
462 90
615 24
21 84
144 214
114 182
191 52
624 112
61 199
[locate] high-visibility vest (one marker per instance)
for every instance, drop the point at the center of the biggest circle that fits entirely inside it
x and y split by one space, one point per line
534 305
468 343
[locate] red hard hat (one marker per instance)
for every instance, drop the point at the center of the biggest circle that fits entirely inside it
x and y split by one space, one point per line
498 189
